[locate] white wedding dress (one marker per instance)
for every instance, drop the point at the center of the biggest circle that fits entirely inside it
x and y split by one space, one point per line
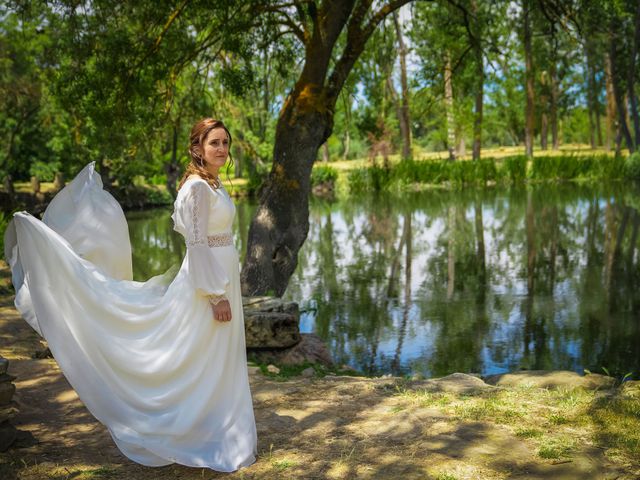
146 358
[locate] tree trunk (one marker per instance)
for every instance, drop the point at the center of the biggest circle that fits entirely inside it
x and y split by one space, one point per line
325 152
631 79
479 82
403 117
528 60
612 126
448 101
590 94
553 106
617 89
544 130
346 139
281 222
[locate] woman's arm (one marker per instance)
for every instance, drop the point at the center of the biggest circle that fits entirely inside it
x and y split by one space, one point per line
207 274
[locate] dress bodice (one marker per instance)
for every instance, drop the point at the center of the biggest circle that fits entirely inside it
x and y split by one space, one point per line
201 210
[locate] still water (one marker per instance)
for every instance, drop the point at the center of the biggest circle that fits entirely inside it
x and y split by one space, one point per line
483 281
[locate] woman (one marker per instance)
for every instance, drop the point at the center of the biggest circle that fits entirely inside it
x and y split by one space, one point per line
161 364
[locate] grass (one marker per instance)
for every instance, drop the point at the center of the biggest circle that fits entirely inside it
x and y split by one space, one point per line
555 422
289 371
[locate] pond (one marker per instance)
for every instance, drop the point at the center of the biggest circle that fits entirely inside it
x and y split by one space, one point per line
478 281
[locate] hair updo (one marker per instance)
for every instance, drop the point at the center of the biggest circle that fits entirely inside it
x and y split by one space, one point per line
196 164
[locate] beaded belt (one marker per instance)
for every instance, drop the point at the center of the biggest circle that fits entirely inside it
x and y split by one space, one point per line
220 240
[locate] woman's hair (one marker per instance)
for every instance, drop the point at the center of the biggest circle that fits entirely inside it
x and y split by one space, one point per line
196 164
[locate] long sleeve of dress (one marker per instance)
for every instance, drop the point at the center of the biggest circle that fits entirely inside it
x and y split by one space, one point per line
207 274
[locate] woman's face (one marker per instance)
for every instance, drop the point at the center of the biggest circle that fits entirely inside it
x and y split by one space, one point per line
216 148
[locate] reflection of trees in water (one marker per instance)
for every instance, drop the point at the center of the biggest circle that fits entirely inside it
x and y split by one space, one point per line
545 277
155 245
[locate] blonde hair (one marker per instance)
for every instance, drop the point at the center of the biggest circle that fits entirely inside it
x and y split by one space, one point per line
196 164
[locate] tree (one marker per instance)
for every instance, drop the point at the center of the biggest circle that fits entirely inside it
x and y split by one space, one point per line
306 120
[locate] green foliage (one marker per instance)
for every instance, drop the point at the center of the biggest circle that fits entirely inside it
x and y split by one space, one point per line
576 167
515 168
632 166
323 174
45 171
509 170
5 218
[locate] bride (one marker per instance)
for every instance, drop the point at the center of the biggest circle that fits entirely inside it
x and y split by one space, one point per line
162 364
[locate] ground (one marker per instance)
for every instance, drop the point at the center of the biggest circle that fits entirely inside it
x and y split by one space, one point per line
346 427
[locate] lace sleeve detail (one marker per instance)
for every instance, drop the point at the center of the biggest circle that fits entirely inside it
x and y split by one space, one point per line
199 212
206 272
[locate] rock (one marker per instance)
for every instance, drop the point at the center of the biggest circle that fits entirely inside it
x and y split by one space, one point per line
271 322
273 369
269 304
6 378
308 372
8 434
311 348
271 330
4 365
551 379
459 383
7 412
6 392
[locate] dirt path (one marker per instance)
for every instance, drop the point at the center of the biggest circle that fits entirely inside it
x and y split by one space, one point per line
331 427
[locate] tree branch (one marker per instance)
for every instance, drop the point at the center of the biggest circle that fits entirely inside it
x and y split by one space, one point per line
357 37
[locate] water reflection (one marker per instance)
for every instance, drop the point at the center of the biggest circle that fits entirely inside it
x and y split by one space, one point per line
479 281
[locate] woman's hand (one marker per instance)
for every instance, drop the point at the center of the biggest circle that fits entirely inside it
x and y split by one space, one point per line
222 311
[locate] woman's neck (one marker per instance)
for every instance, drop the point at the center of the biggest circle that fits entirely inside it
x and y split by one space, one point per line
213 171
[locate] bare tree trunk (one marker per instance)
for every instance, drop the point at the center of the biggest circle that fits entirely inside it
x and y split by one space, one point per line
544 130
611 104
479 83
553 107
346 139
404 116
590 94
631 78
325 152
528 60
448 100
617 89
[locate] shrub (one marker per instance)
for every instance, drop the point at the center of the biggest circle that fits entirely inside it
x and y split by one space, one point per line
515 168
45 172
323 174
632 166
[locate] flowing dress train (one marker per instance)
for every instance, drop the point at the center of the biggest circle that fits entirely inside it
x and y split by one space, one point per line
147 358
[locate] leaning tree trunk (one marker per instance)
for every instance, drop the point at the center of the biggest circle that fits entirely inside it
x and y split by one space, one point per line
281 223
